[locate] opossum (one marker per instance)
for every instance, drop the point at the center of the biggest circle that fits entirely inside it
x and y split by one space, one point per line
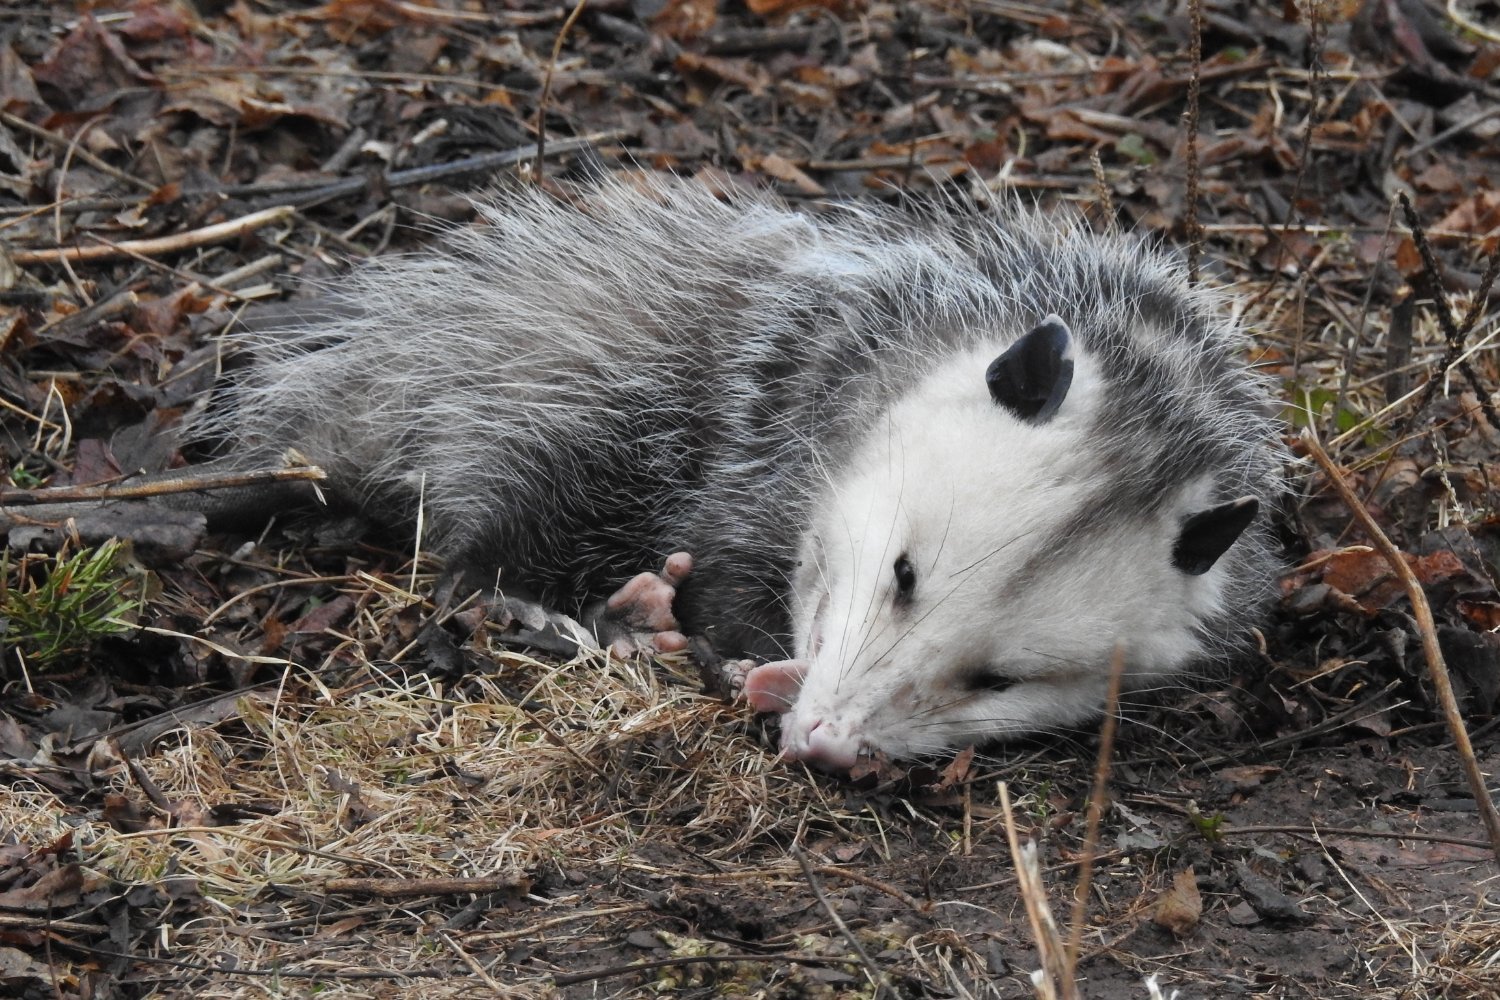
933 468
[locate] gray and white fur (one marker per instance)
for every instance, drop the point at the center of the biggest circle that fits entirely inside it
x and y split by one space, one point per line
805 403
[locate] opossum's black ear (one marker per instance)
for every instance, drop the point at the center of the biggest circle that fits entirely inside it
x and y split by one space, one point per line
1032 377
1208 534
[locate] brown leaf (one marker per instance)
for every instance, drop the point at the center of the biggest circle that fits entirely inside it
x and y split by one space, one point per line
1363 575
58 888
987 154
1366 576
1180 907
93 462
785 170
741 72
776 8
1437 567
324 616
152 22
959 769
686 20
16 85
1250 776
1481 614
1477 216
91 67
347 20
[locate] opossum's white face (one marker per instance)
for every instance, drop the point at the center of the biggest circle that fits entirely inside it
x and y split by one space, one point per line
947 596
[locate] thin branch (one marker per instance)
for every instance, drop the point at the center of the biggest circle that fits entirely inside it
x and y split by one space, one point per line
1195 85
1454 333
1422 612
1051 981
417 888
877 980
1349 831
541 104
187 482
160 245
1096 810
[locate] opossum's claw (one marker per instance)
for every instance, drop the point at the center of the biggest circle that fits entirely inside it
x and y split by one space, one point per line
638 617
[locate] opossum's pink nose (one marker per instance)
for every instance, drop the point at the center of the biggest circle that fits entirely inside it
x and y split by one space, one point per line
823 745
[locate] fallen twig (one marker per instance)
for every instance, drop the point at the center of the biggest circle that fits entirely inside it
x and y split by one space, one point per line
1190 196
410 888
834 871
1454 333
1096 810
187 482
545 99
1349 831
1422 612
1052 980
610 971
160 245
877 980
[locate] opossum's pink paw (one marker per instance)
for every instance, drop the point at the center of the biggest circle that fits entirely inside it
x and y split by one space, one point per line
639 615
772 687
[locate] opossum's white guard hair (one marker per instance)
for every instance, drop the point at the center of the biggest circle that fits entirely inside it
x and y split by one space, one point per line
798 399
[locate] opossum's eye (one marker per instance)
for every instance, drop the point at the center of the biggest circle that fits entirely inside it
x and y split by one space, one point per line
986 679
906 577
1031 379
1208 534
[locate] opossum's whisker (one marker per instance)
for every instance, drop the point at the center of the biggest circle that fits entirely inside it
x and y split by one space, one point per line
895 447
1162 733
943 538
877 597
992 553
968 571
1058 658
943 706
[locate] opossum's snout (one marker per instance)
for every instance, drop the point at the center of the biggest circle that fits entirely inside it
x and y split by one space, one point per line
823 739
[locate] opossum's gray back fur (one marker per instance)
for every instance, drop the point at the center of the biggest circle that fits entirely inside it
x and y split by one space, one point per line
574 391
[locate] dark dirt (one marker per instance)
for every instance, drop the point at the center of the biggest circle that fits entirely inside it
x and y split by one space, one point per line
1299 796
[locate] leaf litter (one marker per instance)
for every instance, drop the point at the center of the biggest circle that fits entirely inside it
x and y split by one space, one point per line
241 793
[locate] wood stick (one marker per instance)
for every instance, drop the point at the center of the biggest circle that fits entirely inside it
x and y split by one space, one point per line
187 482
160 245
411 888
1437 669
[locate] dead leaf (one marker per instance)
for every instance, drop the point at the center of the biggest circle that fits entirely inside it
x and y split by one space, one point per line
1250 776
959 769
1483 615
1367 577
686 20
776 8
1477 216
785 170
1181 907
741 72
58 889
16 84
